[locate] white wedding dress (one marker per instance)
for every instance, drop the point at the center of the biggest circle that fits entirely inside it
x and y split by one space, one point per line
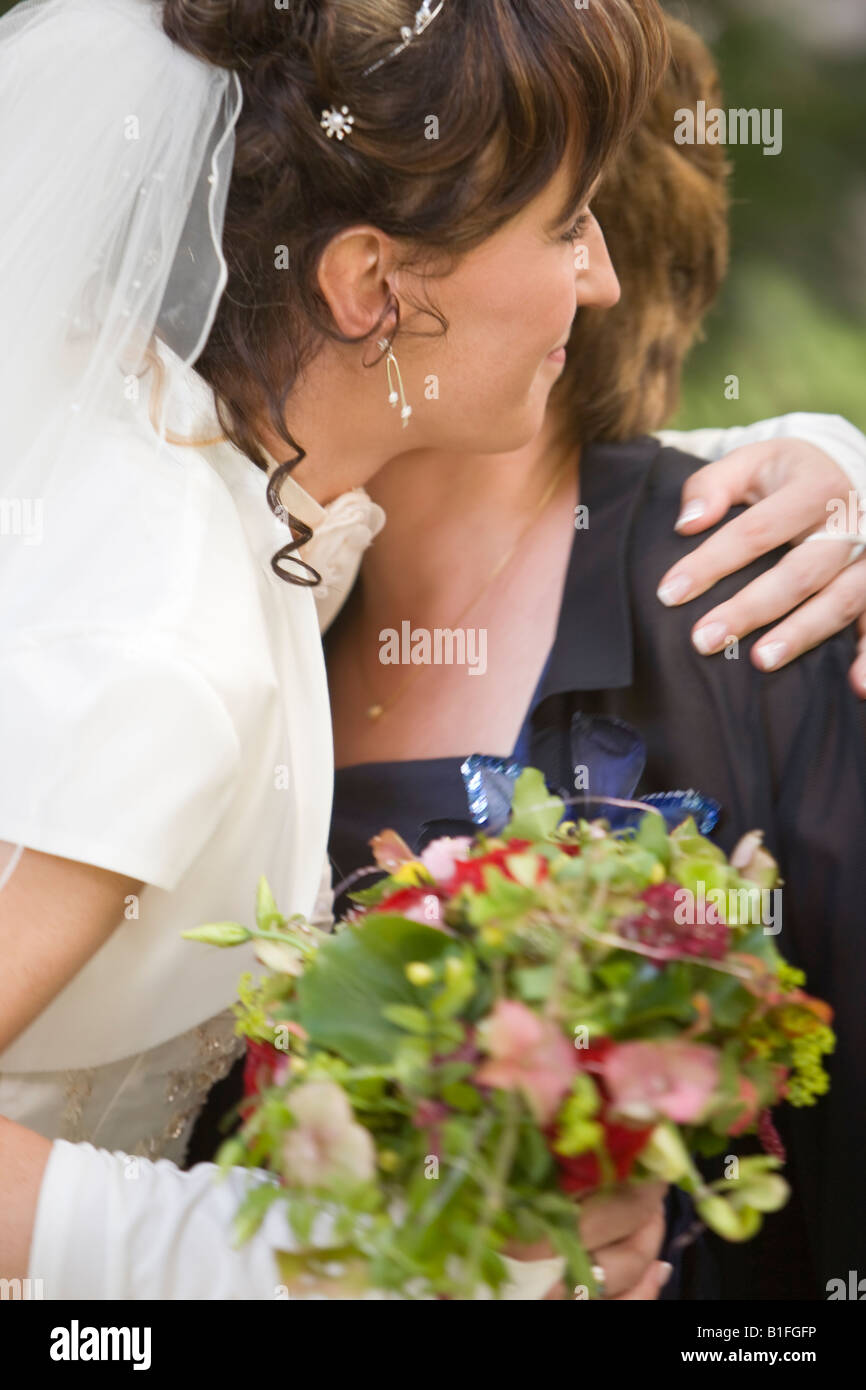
163 703
219 735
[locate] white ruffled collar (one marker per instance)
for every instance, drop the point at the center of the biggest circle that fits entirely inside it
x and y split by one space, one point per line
342 530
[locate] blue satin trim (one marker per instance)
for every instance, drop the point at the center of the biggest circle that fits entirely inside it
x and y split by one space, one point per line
612 757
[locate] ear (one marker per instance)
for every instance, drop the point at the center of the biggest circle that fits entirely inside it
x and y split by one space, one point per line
354 278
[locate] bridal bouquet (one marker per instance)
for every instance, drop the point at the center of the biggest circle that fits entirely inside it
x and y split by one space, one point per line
506 1023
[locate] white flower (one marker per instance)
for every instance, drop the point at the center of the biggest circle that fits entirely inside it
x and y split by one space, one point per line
326 1145
440 856
280 957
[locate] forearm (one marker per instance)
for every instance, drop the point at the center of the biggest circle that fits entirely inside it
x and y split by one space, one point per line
54 915
23 1159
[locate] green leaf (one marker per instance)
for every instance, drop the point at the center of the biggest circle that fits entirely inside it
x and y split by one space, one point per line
533 1155
302 1214
354 976
500 900
252 1212
406 1016
534 982
492 1268
535 814
459 987
462 1097
667 995
523 867
702 876
578 1261
652 835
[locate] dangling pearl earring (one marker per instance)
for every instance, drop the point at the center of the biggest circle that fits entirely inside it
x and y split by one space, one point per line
393 368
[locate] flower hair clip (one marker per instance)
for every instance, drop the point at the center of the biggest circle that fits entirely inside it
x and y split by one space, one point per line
339 120
337 123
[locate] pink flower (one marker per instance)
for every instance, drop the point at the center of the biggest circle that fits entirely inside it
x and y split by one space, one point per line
326 1144
440 856
527 1054
669 1079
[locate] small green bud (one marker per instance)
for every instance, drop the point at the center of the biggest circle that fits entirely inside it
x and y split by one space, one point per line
768 1192
666 1155
219 934
418 972
267 912
730 1223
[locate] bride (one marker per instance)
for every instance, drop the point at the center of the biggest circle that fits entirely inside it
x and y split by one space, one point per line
164 704
163 695
183 743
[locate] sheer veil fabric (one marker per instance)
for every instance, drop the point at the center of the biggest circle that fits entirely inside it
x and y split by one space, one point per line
116 150
163 705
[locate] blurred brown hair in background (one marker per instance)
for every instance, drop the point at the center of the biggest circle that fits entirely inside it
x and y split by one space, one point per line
664 211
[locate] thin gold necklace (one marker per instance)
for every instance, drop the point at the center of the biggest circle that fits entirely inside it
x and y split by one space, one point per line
379 707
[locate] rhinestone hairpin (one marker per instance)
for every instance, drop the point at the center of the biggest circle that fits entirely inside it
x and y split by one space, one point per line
339 120
337 123
423 19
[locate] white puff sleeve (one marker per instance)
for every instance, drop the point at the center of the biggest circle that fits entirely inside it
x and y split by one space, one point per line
115 752
835 435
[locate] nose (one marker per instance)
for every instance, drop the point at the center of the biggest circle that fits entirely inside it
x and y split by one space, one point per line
598 281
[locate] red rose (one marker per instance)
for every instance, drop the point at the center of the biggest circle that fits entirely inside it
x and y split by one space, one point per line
583 1172
405 898
471 871
260 1065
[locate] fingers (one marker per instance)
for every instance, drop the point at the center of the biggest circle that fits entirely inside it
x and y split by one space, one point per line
612 1216
764 527
623 1231
626 1263
711 492
833 609
650 1286
800 573
857 675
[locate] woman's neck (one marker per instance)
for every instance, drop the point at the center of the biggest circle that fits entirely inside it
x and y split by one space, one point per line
345 429
451 517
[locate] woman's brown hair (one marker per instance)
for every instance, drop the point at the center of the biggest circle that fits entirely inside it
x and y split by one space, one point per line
664 209
517 87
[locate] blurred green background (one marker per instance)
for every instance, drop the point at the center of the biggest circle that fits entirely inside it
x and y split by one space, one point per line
791 322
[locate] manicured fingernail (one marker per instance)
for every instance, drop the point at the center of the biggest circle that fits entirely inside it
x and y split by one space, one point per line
770 655
692 512
710 638
665 1272
674 590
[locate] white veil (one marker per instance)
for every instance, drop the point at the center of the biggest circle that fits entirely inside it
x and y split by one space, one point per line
116 151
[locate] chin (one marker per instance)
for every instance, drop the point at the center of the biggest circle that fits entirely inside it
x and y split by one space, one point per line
512 429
